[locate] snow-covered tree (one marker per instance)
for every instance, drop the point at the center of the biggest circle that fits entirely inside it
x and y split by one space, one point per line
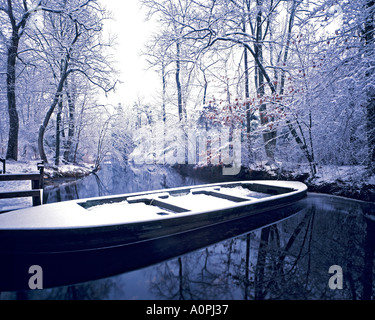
302 71
57 56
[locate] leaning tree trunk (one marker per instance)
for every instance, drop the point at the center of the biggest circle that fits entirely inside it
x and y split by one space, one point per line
42 129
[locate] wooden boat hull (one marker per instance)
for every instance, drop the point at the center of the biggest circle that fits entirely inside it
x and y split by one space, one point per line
20 233
66 268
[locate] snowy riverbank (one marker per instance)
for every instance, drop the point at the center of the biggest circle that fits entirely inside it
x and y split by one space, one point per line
50 171
346 181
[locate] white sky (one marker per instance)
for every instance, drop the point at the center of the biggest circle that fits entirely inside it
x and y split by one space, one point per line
132 33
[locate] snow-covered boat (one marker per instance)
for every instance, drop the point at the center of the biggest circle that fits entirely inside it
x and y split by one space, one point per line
105 222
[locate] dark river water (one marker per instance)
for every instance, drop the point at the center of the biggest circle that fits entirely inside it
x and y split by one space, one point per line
322 247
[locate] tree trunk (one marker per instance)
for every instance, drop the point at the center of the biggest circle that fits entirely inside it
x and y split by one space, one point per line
58 130
12 151
78 135
42 129
17 31
247 97
205 87
178 83
71 128
181 111
164 114
269 136
371 129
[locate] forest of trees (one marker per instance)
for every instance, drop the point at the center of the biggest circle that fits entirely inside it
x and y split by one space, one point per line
55 62
295 77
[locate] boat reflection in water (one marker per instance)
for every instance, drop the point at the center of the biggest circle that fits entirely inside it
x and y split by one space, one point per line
284 254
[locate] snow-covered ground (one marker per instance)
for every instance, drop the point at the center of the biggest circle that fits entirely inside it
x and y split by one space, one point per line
349 181
325 173
64 170
354 174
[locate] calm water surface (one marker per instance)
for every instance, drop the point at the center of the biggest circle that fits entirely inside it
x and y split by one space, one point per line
281 255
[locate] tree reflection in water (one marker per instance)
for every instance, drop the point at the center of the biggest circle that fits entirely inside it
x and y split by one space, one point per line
287 260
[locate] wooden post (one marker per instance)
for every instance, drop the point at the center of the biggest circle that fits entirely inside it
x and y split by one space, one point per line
35 184
3 161
38 184
41 172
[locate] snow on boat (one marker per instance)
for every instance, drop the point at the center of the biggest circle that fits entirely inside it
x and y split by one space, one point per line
110 221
